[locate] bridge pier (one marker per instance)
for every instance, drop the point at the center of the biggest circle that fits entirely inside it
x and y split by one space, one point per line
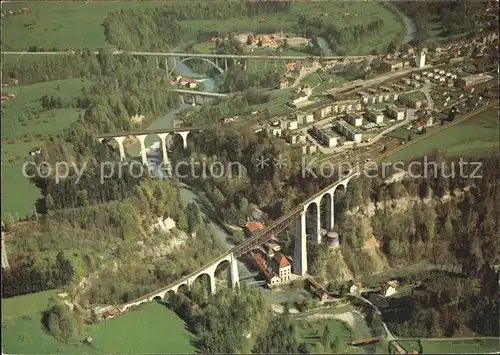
225 64
194 101
300 254
121 147
142 140
166 162
318 223
330 219
184 138
166 65
235 276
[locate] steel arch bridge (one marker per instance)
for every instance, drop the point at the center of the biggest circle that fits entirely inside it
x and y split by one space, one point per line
189 58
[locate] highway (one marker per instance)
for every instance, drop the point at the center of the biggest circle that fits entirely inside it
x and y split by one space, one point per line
199 55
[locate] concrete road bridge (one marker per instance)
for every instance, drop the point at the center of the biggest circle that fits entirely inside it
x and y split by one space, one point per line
204 55
119 137
296 215
219 61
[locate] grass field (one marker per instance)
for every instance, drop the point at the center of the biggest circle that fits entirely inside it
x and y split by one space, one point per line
78 25
153 329
477 136
454 346
311 333
24 127
61 25
23 114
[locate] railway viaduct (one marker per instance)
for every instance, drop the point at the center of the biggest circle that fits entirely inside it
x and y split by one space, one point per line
119 137
297 215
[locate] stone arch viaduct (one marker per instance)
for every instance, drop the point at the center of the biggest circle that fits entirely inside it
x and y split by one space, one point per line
297 215
142 135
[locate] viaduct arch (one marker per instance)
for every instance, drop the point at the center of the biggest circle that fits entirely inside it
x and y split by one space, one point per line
190 58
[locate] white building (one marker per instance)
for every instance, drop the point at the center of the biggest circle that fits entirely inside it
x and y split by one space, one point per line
284 267
395 112
375 115
354 119
349 131
389 288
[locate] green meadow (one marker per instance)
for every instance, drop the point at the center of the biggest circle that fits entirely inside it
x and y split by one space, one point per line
26 125
475 137
151 329
79 24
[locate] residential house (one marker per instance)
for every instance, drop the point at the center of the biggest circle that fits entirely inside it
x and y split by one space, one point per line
283 267
271 277
253 227
284 82
354 286
389 288
273 130
35 151
317 289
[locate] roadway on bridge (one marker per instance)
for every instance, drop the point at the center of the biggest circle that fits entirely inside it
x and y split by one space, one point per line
201 55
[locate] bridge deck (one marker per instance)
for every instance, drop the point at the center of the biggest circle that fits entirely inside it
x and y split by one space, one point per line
151 131
200 93
199 55
257 238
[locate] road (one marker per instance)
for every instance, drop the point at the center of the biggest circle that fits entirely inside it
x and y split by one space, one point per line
378 79
198 55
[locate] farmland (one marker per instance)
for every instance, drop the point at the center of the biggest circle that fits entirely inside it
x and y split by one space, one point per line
79 25
454 346
26 125
155 329
474 137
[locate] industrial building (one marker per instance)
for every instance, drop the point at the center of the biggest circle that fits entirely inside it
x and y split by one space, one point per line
473 80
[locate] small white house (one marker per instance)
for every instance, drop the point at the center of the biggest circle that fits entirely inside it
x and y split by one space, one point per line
389 288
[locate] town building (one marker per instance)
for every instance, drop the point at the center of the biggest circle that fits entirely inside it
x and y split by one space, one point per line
323 112
395 112
309 148
316 288
272 248
392 65
283 267
354 119
473 80
284 82
35 151
389 288
375 115
304 118
354 286
349 131
420 60
296 138
271 277
413 100
253 227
